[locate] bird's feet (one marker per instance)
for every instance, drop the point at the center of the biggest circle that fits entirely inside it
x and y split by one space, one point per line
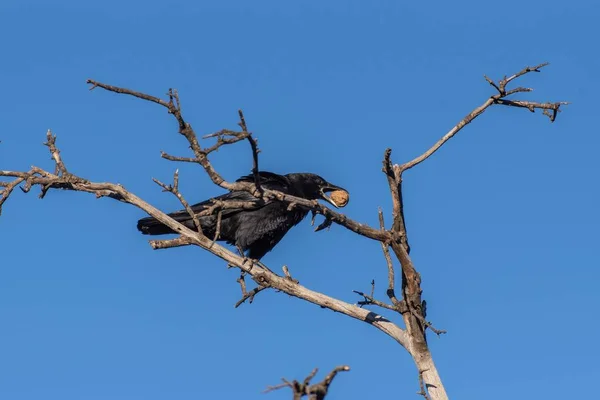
240 251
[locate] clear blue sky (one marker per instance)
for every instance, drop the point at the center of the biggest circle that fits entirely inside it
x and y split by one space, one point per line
503 222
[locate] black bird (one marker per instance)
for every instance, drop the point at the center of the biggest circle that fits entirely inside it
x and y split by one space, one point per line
256 230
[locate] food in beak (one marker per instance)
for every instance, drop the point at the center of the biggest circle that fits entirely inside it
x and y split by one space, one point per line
339 198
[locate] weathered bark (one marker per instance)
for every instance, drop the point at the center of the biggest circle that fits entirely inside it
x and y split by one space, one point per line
429 376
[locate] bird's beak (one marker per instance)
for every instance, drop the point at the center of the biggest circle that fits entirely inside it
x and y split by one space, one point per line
332 188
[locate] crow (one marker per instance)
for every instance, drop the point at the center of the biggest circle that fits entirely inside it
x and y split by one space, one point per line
254 231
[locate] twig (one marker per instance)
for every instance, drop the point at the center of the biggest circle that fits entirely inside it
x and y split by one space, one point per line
519 90
185 129
51 143
126 91
427 323
391 292
170 243
224 132
175 158
245 294
250 295
222 140
218 205
532 106
287 274
501 86
218 228
524 71
242 281
310 376
491 82
285 383
174 189
423 392
370 301
255 151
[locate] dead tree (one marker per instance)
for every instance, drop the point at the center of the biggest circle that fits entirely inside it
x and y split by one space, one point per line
407 302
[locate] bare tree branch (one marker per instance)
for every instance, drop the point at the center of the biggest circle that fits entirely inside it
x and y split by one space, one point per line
391 291
255 150
139 95
51 143
369 300
505 81
317 391
175 158
427 323
170 243
495 99
288 275
245 294
8 188
551 110
174 189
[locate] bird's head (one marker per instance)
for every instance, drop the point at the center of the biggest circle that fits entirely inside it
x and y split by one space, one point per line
313 187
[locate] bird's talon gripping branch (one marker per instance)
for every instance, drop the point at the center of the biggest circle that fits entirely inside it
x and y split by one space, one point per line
312 218
326 224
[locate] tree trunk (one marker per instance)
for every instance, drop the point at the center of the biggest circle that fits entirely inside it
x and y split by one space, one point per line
429 377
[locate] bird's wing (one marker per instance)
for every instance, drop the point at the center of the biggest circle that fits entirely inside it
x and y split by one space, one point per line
203 205
269 180
261 230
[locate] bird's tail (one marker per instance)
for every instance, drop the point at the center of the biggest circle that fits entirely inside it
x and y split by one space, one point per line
151 226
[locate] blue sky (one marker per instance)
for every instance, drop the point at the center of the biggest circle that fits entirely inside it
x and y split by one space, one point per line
502 222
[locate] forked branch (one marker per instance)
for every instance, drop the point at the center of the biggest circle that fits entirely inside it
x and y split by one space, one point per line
174 189
316 391
498 98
